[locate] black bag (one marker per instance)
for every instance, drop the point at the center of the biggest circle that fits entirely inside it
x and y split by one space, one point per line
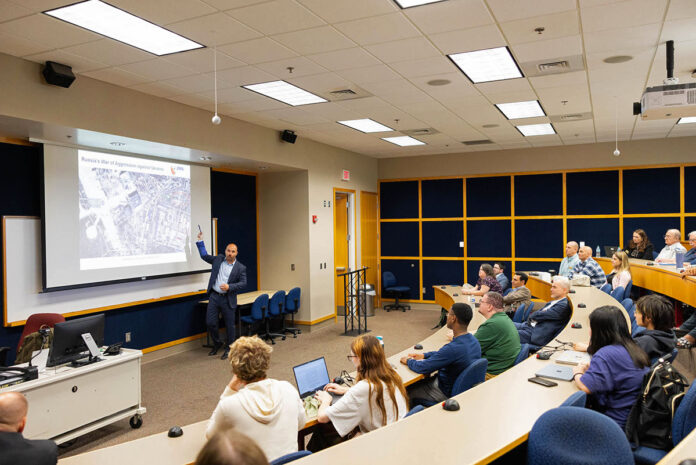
650 421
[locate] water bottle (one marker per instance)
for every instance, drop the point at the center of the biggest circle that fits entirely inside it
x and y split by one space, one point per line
598 252
381 341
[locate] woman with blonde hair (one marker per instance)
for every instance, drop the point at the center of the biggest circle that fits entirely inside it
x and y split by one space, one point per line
622 269
377 398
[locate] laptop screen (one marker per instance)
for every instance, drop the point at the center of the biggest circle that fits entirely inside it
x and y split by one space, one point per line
311 376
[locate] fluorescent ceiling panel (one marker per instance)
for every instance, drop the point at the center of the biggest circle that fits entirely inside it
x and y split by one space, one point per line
365 125
518 110
403 141
285 92
536 129
493 64
120 25
687 119
412 3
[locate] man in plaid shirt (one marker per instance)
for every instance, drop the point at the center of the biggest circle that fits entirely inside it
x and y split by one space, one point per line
588 266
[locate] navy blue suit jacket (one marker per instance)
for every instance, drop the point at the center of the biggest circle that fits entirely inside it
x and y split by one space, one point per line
549 322
237 280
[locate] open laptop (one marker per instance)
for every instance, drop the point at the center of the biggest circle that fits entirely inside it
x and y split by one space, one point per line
573 357
311 377
610 250
560 372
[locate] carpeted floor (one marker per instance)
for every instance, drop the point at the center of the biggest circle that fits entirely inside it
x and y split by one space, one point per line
184 388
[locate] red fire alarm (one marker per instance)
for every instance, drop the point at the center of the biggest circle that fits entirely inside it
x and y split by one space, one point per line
314 219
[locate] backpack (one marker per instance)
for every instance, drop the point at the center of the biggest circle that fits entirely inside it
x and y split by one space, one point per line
650 420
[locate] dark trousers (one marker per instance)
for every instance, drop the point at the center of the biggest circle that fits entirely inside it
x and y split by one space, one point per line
219 303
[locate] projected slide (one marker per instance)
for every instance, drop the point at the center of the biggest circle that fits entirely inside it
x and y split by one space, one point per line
133 211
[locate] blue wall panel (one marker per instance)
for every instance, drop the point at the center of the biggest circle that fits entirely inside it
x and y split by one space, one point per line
399 239
539 238
488 196
488 238
442 198
592 193
442 238
539 194
690 189
406 273
655 228
594 232
654 190
441 272
398 199
689 225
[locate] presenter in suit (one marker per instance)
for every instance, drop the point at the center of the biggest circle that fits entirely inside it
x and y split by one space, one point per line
227 278
14 448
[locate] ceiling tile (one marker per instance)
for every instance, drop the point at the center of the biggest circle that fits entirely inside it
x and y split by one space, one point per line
678 31
161 11
316 40
157 69
202 60
234 94
301 67
320 83
577 98
477 38
158 89
361 105
37 6
458 87
192 100
681 9
396 92
110 52
9 10
229 4
245 75
557 25
257 51
197 83
18 46
247 106
505 10
559 80
277 16
584 128
622 14
505 87
544 141
116 76
369 74
345 59
214 29
402 50
79 64
46 30
450 16
334 12
378 29
638 37
424 67
548 49
296 116
332 111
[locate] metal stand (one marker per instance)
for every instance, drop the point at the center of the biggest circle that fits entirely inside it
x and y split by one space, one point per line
354 298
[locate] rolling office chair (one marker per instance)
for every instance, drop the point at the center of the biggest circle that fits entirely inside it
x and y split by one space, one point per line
576 399
36 321
627 291
518 317
655 255
507 291
275 312
292 306
618 293
390 285
258 313
414 410
577 436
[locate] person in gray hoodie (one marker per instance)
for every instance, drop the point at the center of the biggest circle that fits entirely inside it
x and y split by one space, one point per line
267 410
655 313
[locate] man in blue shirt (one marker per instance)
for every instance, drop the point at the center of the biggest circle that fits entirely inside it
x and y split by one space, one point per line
499 271
449 361
227 278
571 259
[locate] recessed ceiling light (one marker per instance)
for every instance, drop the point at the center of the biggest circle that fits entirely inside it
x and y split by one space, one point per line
285 92
365 125
403 141
411 3
543 129
117 24
438 82
117 144
687 119
493 64
618 59
517 110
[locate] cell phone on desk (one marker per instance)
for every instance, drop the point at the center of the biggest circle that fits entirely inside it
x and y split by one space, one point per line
543 381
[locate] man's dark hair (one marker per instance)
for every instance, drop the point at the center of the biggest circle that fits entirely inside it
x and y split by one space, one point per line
463 313
500 265
658 309
523 276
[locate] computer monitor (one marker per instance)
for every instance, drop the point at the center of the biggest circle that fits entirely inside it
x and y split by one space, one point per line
68 344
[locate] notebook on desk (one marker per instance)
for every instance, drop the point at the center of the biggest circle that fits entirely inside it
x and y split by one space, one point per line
559 372
311 377
573 357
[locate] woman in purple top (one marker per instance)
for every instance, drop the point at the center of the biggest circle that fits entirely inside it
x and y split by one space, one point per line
615 372
485 283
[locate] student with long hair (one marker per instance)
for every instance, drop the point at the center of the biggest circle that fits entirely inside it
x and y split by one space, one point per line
615 373
640 246
622 269
377 398
485 283
656 314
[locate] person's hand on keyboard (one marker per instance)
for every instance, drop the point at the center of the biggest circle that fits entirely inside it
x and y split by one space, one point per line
336 388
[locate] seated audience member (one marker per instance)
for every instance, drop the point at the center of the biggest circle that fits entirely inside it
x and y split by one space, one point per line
230 447
640 246
690 255
614 375
267 409
499 272
570 260
449 361
377 398
656 314
545 324
589 267
622 270
689 326
14 449
500 343
672 246
520 294
485 283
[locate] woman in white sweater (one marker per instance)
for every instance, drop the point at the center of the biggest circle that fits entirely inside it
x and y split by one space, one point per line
622 269
267 410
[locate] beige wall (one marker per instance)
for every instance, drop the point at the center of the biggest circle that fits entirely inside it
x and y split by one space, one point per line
641 152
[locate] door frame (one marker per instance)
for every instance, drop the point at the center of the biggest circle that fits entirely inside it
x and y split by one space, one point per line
352 197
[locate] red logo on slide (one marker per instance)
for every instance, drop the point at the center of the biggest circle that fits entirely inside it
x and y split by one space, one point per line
173 170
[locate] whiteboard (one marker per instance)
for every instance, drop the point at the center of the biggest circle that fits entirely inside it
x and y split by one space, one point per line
22 281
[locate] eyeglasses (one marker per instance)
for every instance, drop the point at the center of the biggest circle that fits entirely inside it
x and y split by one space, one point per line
351 357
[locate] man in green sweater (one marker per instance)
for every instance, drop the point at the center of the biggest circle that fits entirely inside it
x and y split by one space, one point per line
499 339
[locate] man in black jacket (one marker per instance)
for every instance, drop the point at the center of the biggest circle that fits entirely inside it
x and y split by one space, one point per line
14 449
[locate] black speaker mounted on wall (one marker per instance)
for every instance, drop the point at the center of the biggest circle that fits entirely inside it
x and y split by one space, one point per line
58 74
288 136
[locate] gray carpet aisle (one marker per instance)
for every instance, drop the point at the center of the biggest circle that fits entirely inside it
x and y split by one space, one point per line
184 388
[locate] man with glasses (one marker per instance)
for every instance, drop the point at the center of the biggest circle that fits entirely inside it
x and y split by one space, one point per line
449 361
500 343
672 246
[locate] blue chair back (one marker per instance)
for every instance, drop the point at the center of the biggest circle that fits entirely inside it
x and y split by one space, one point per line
507 291
524 353
471 376
626 303
618 293
635 329
528 311
258 308
275 306
576 399
292 456
416 409
388 279
577 436
627 291
518 317
606 288
655 254
292 301
685 417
